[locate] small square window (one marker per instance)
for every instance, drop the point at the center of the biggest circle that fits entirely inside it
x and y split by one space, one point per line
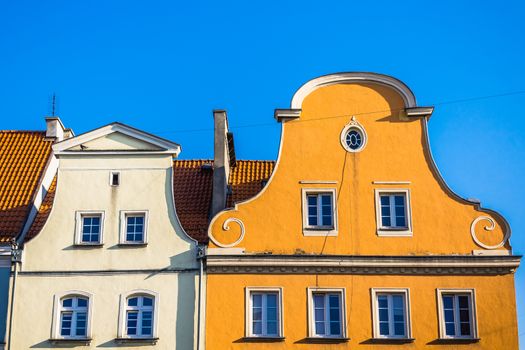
89 229
391 313
134 227
327 315
114 178
393 213
319 212
263 314
457 314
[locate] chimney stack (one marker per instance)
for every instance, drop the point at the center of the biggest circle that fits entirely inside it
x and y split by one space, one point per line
223 151
55 129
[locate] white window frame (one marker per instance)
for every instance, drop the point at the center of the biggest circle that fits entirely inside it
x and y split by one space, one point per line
375 312
248 311
111 178
319 230
123 226
57 312
79 215
473 314
311 312
392 231
122 326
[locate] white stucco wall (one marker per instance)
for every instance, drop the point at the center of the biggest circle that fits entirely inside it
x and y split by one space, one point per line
52 264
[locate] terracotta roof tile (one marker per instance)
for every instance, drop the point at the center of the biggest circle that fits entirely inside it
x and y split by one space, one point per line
192 192
23 158
193 186
43 211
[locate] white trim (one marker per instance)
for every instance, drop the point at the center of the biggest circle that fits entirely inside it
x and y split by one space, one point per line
391 182
111 173
375 312
57 308
317 182
226 227
473 315
168 146
123 307
354 124
321 231
122 234
353 78
78 226
311 318
490 227
248 310
383 231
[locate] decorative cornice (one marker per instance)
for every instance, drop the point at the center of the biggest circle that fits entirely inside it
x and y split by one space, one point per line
286 114
363 265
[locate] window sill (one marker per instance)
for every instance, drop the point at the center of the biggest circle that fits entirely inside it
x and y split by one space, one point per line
151 341
263 339
88 245
455 341
391 340
132 245
326 340
394 232
70 341
325 231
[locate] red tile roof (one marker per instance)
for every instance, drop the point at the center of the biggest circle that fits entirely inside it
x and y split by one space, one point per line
193 186
23 158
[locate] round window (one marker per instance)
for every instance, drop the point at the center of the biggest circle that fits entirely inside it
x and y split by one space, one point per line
354 139
353 136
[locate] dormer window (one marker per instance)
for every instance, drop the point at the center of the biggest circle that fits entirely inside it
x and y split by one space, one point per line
114 178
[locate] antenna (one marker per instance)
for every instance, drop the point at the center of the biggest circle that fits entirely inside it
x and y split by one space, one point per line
53 105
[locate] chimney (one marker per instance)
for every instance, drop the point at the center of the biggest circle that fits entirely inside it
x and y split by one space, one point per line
223 159
55 130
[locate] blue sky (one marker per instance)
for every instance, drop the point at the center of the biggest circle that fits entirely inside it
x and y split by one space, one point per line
163 66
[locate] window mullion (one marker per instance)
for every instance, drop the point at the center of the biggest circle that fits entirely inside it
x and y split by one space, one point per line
457 323
392 210
263 314
72 331
390 304
319 211
327 314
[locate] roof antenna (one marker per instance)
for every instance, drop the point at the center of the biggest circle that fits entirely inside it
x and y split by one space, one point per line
53 105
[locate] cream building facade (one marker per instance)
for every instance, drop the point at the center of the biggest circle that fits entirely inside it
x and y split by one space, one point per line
111 265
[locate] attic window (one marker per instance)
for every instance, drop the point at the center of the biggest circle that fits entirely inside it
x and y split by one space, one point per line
114 178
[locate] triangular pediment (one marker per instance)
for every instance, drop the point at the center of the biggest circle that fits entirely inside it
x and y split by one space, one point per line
116 138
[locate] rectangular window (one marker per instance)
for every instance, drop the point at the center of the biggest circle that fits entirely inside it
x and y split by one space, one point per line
327 313
89 227
134 227
393 212
71 319
114 178
391 316
264 312
319 213
457 314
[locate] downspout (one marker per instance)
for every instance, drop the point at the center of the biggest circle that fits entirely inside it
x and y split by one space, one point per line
15 259
200 257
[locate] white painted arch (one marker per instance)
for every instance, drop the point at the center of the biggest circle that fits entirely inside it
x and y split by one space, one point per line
354 77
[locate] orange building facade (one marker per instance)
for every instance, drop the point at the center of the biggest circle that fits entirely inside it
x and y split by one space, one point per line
356 240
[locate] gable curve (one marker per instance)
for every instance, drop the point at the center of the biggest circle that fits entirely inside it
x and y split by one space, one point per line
353 77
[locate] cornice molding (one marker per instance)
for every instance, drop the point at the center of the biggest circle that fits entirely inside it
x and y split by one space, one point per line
367 265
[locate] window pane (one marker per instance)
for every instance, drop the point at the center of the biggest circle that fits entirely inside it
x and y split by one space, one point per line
463 301
312 201
399 200
465 328
450 329
335 328
326 200
398 301
67 302
399 328
65 328
271 300
271 327
464 315
257 300
82 302
312 220
271 314
383 315
385 221
131 318
327 219
448 301
382 301
257 327
399 315
383 328
449 315
81 324
401 222
133 301
385 201
147 301
319 328
257 314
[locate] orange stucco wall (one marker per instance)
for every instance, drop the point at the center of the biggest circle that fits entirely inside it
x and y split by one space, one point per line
395 151
495 307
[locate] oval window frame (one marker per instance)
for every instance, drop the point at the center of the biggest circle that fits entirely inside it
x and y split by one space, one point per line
353 125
